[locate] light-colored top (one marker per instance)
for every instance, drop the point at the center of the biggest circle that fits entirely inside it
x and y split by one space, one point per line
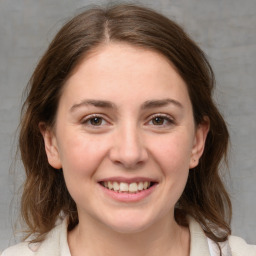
56 244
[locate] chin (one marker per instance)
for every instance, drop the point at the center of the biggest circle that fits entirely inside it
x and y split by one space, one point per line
129 224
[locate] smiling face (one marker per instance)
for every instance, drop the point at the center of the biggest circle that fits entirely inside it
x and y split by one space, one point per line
125 138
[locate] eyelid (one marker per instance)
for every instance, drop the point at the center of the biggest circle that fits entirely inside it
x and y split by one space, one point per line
85 119
167 117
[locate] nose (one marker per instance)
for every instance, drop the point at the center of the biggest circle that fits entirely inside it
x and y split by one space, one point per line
128 149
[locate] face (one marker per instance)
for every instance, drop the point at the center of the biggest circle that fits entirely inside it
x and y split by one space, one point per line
125 137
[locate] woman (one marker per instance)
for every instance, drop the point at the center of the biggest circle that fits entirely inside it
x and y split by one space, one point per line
121 143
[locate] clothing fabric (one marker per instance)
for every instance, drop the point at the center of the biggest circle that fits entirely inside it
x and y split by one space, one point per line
56 244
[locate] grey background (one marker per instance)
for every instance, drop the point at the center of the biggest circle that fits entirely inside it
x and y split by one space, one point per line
225 30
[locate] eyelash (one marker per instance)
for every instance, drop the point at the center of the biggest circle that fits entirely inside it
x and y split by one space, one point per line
91 117
166 118
168 121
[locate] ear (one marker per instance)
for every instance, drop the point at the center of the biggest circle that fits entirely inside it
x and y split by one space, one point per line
51 147
199 142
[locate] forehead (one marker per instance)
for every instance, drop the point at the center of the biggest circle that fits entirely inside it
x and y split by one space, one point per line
119 68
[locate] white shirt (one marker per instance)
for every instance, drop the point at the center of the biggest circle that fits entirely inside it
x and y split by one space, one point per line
56 244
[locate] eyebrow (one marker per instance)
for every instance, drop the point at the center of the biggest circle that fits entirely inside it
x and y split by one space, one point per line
160 103
95 103
107 104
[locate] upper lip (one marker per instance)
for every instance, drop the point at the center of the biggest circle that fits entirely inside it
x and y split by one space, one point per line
128 180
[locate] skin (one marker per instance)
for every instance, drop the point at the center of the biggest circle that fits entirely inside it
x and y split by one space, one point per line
126 140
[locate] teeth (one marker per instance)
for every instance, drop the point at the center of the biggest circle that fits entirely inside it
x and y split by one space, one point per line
126 187
133 187
116 186
140 186
145 185
109 185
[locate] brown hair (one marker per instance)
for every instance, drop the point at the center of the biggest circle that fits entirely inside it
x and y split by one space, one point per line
45 196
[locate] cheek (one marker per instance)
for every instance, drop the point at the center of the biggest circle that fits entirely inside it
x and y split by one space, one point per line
173 152
81 154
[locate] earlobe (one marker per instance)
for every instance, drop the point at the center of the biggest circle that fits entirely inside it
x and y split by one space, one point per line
199 142
51 147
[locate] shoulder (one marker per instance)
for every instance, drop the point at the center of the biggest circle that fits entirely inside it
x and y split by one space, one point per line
18 249
234 246
239 247
202 245
55 242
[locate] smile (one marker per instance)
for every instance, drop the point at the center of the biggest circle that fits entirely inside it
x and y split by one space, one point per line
123 187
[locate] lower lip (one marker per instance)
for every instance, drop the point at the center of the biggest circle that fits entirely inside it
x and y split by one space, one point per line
128 197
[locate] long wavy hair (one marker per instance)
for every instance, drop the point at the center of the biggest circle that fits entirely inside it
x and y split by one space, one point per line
45 197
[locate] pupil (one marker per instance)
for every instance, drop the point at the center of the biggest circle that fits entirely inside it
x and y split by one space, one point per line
158 120
96 121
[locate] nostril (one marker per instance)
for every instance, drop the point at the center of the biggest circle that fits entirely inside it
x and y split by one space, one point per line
128 151
128 163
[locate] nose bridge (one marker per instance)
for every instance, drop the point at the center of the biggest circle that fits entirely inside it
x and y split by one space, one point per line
128 148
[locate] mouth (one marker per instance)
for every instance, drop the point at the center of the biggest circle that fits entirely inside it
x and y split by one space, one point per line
127 187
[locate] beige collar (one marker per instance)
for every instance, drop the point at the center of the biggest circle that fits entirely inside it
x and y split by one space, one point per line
198 243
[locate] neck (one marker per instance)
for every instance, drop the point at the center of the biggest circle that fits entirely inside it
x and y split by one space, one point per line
163 238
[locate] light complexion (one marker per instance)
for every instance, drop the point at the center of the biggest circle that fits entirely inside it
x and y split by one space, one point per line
125 138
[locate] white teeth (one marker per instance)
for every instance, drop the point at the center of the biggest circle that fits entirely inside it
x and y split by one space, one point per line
109 185
133 187
145 185
140 186
115 186
126 187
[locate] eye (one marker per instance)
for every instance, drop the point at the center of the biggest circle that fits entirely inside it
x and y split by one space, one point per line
94 120
161 120
158 120
97 121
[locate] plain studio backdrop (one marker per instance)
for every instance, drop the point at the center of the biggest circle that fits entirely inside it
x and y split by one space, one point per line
225 30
